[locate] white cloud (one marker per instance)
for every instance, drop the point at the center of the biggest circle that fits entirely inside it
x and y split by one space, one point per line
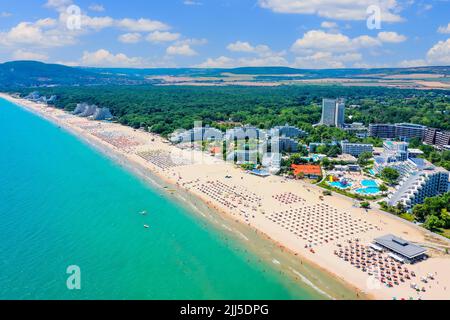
318 40
193 42
58 4
326 60
329 25
46 23
192 3
227 62
444 29
240 46
104 58
27 55
158 36
141 25
181 50
335 9
392 37
246 47
130 37
34 34
413 63
365 41
221 62
271 61
439 54
5 14
50 32
96 7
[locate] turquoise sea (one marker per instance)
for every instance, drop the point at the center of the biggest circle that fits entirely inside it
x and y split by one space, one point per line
63 203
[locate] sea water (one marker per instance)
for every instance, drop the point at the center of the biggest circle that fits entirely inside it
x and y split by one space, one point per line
64 204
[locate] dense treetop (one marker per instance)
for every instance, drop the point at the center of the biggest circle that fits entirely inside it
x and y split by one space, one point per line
166 108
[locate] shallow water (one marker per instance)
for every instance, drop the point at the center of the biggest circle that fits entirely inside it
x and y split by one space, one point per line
63 203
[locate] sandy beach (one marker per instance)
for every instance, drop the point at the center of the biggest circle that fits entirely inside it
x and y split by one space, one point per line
291 213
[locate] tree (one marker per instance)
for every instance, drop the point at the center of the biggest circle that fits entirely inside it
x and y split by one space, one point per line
363 159
390 175
326 163
365 205
333 151
384 188
415 143
301 175
433 223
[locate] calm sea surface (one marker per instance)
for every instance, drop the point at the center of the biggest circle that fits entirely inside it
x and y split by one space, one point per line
63 203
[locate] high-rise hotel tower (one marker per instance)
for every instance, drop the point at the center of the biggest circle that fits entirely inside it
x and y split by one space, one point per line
333 112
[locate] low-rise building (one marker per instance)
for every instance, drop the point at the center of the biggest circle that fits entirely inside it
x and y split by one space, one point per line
308 170
383 131
244 133
355 149
401 131
287 131
197 134
401 250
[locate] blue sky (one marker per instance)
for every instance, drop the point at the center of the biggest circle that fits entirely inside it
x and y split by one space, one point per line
226 33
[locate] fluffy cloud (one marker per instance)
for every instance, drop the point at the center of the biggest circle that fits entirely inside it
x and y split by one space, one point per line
226 62
130 37
335 9
329 25
439 54
50 32
141 25
158 36
413 63
35 34
318 40
239 46
444 29
58 4
326 60
104 58
392 37
181 50
27 55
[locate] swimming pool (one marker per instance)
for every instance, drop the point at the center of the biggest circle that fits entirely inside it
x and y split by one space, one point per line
372 172
369 183
369 190
340 185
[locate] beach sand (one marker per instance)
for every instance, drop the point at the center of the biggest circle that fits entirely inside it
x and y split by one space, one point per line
289 213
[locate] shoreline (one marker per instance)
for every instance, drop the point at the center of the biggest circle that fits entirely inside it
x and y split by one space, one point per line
259 226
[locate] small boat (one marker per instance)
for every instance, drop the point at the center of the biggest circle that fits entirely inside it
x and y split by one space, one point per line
146 226
143 213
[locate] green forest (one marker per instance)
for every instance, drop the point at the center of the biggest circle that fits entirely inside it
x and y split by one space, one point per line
163 109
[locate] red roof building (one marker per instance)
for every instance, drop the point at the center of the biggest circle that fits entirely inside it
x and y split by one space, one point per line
309 170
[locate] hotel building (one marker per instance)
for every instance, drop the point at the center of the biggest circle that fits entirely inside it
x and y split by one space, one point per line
355 149
436 137
402 131
333 112
420 180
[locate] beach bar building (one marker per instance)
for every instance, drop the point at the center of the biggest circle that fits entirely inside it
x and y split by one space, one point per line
400 249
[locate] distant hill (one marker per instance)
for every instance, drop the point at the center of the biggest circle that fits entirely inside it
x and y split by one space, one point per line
262 71
37 74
